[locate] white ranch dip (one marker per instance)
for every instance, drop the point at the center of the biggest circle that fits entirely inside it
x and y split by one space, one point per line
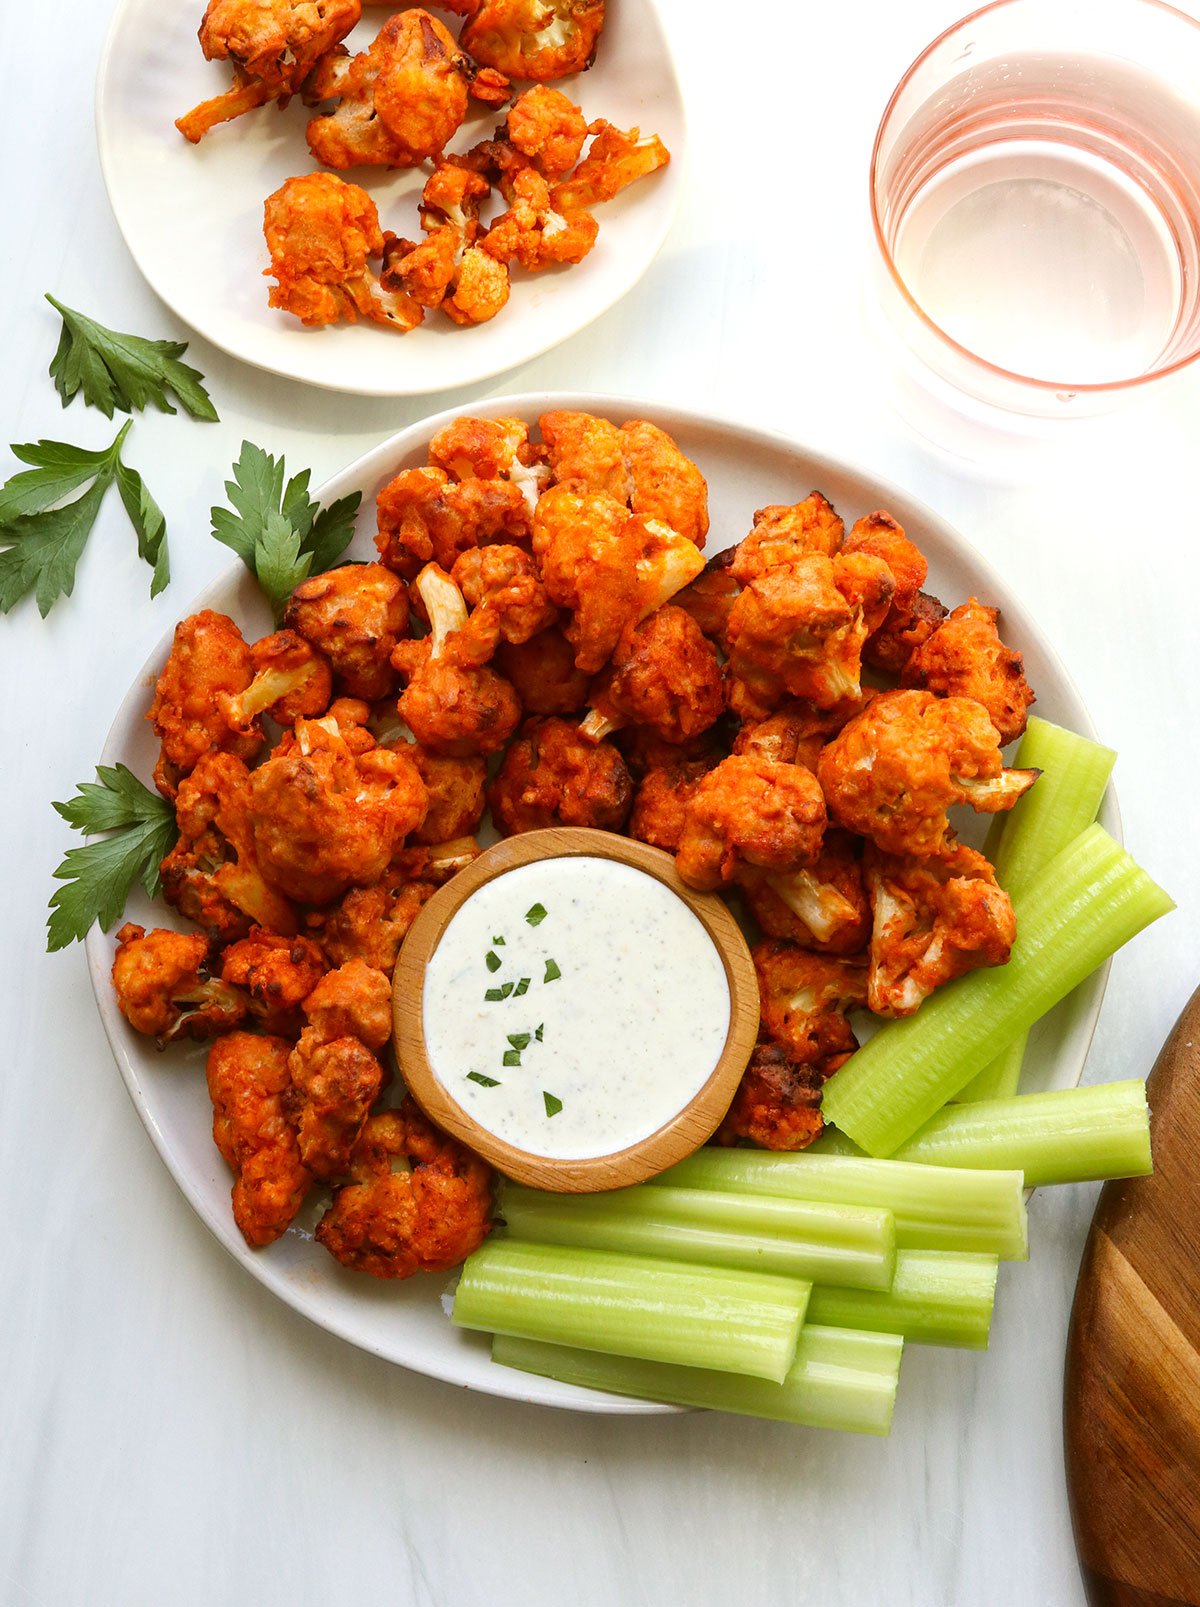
604 1053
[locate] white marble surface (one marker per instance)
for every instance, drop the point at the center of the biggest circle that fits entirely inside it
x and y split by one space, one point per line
168 1432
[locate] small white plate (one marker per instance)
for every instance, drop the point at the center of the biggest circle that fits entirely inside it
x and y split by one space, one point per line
192 215
746 469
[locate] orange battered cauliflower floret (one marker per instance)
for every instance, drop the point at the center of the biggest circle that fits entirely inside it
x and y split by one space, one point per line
490 449
355 615
291 681
660 803
750 812
507 599
664 674
782 534
663 483
448 270
711 596
553 776
964 657
586 453
164 987
455 788
804 999
796 732
320 232
935 919
880 535
273 45
248 1084
538 39
614 161
823 906
325 819
371 923
336 1076
543 672
894 643
895 769
417 1200
548 129
277 974
534 232
399 101
426 517
777 1104
209 664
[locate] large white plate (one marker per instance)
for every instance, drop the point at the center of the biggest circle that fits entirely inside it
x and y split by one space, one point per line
192 214
406 1323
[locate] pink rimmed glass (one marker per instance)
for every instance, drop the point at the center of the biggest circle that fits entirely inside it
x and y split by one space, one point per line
1035 195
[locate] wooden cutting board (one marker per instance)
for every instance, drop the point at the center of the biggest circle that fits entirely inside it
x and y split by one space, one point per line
1132 1386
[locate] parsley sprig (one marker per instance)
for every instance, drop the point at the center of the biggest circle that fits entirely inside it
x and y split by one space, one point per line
43 537
140 831
275 527
124 372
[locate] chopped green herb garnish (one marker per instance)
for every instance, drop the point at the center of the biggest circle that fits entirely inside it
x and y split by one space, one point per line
484 1082
553 1105
521 987
498 942
552 971
492 961
536 915
512 1057
519 1040
501 992
538 1033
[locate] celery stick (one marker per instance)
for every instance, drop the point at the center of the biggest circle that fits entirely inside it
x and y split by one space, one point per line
1072 1135
839 1379
630 1305
1066 799
935 1208
938 1297
853 1245
1083 906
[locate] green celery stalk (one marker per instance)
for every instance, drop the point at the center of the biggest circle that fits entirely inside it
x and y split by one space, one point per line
1067 798
934 1208
938 1297
628 1305
840 1379
853 1245
1087 902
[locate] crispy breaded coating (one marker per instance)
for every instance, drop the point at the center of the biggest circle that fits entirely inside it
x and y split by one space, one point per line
209 663
538 39
934 919
399 101
490 449
664 674
797 731
586 453
798 630
425 517
273 45
547 128
326 819
213 874
711 596
660 803
248 1083
336 1077
782 534
353 1001
822 907
551 775
354 615
455 789
164 987
320 232
750 812
804 999
614 161
371 923
777 1104
418 1201
292 681
277 974
964 657
644 750
881 536
894 643
663 483
543 673
895 769
534 232
450 204
588 548
507 599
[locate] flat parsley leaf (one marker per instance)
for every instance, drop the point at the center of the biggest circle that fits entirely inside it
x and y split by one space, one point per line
97 877
123 371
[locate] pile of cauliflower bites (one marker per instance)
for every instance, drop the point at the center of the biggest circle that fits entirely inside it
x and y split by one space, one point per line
541 640
398 104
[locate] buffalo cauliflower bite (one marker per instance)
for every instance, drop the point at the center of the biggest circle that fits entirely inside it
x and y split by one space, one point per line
588 549
711 596
796 732
490 449
399 101
320 232
452 708
894 770
209 664
371 923
325 819
664 673
964 657
533 39
335 1074
804 999
934 919
750 812
273 45
455 788
548 129
450 205
354 615
534 232
248 1084
507 599
586 453
417 1201
798 630
660 803
426 517
664 484
782 534
553 776
292 681
164 987
614 161
894 643
277 974
213 875
777 1104
353 1001
823 907
543 672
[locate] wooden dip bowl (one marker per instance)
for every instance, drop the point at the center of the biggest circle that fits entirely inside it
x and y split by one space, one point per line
671 1142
